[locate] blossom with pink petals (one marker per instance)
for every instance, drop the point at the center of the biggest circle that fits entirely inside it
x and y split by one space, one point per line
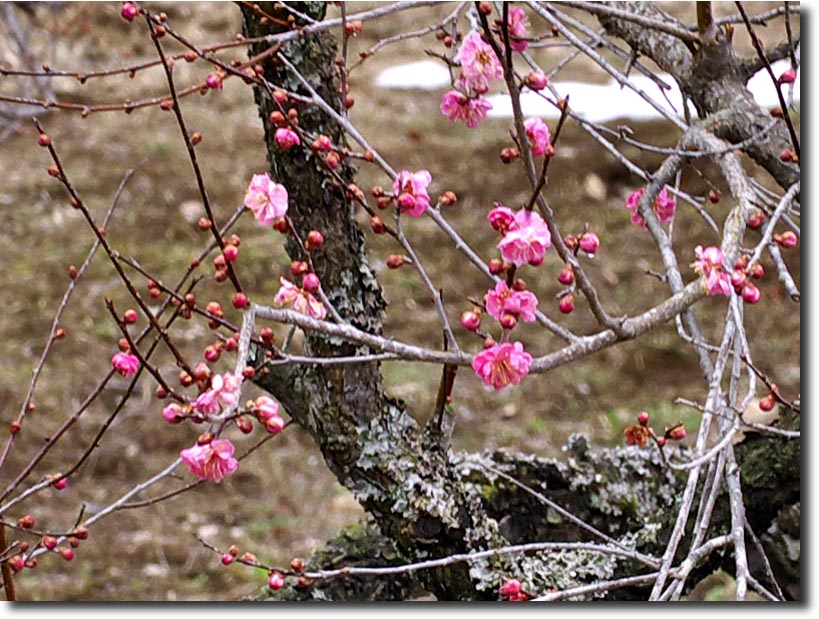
212 461
301 300
711 265
527 239
410 190
479 64
224 392
538 133
502 364
502 218
125 363
457 106
286 138
664 206
503 300
267 200
518 27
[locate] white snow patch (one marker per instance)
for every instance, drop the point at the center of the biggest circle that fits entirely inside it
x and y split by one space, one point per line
594 102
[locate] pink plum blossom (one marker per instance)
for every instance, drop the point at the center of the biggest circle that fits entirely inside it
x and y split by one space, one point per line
457 106
125 363
503 300
479 64
286 138
664 206
538 133
527 240
410 189
301 300
502 364
224 392
710 264
212 461
502 218
518 27
267 200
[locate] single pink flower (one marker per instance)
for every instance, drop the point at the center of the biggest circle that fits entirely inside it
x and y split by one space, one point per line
286 138
457 106
664 207
212 461
538 133
125 363
224 392
518 27
301 300
502 364
410 189
479 64
502 218
503 300
711 265
527 240
267 200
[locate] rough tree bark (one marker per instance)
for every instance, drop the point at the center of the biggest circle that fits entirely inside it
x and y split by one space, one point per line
425 500
715 79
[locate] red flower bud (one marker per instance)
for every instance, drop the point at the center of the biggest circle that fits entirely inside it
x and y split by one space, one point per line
130 317
240 300
767 403
536 80
310 282
230 252
677 433
377 225
471 320
448 198
566 275
314 240
788 77
395 261
642 418
566 304
276 580
787 239
756 219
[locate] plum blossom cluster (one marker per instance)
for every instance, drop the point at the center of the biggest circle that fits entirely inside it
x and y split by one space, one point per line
664 207
525 239
479 66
